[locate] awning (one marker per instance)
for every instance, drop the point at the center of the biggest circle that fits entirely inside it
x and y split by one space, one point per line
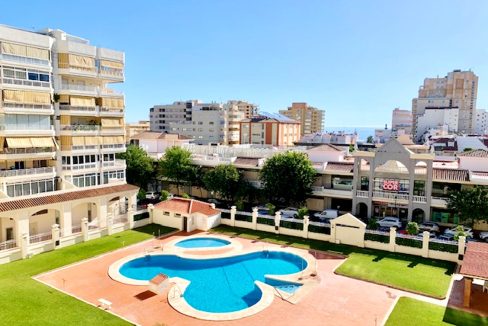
116 102
91 141
78 141
19 142
82 101
25 51
111 123
26 97
112 64
42 142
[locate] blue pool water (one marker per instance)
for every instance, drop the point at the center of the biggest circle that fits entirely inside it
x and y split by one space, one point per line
220 284
202 243
288 287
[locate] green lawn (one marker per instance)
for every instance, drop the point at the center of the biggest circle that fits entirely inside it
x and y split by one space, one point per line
411 273
410 311
25 301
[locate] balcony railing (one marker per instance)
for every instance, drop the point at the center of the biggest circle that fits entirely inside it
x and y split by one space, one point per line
31 61
419 199
33 150
388 195
10 106
76 229
114 163
84 166
362 193
111 111
112 72
81 127
82 88
40 237
109 91
9 244
122 219
84 109
26 127
25 82
113 146
23 172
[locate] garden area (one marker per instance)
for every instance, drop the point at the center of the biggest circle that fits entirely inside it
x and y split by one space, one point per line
28 302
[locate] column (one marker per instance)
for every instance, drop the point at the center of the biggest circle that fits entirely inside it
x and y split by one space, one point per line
102 212
84 228
425 243
306 221
22 233
110 223
356 179
392 243
372 166
254 216
132 202
55 235
277 222
66 219
332 231
150 209
428 190
411 180
467 291
461 247
233 210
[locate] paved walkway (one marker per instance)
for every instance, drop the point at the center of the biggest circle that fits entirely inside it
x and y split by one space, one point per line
336 300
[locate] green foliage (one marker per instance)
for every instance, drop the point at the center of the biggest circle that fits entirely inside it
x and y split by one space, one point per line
413 228
291 225
319 229
459 232
175 165
140 166
467 149
141 216
470 204
383 238
302 211
408 242
224 180
268 221
352 148
288 177
440 246
141 194
240 204
185 195
271 208
164 195
370 139
373 224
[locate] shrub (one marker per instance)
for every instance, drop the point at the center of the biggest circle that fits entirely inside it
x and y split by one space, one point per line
225 215
164 195
447 247
408 242
271 208
268 221
185 195
240 217
459 232
302 211
141 195
240 205
373 224
383 238
319 229
291 225
412 228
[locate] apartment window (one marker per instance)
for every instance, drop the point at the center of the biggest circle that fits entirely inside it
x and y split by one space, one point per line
30 188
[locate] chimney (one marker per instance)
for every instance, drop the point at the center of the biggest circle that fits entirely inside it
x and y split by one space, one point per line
212 205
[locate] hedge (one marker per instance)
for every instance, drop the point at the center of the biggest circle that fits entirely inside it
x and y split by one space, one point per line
268 221
291 225
447 247
225 215
246 218
408 242
318 229
383 238
141 216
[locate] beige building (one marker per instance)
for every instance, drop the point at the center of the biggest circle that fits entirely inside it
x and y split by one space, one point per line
269 129
311 119
457 90
132 129
61 126
401 120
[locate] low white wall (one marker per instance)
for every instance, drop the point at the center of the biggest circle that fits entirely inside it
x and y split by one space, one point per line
376 245
6 256
225 221
244 224
40 247
319 236
70 240
120 227
443 255
138 224
408 250
292 232
266 228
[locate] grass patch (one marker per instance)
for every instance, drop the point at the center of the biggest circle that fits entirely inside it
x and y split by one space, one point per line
28 302
410 311
411 273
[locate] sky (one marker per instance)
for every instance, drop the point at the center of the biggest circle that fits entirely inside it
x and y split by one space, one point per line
357 60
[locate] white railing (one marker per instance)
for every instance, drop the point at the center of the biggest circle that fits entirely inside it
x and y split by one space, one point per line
25 82
80 166
112 72
92 227
40 237
115 163
388 195
83 88
8 106
27 127
31 61
76 229
35 150
109 91
377 232
449 242
81 127
362 193
80 148
15 173
122 219
9 244
84 109
114 146
419 199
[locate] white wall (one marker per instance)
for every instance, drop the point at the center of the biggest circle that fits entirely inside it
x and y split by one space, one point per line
437 117
170 221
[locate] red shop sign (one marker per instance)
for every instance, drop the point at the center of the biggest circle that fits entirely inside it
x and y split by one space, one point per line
391 185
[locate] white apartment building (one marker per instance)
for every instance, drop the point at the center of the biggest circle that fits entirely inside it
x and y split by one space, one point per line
335 138
401 120
481 122
60 128
457 90
433 117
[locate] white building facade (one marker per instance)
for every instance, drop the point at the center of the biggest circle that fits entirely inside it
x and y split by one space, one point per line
481 122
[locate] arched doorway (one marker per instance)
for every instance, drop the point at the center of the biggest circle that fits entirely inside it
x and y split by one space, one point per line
40 224
418 215
362 210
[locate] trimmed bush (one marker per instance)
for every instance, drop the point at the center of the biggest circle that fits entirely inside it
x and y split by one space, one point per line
408 242
291 225
447 247
383 238
268 221
319 229
246 218
141 216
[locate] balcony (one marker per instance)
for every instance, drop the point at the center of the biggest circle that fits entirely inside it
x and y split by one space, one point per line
80 148
113 74
79 89
34 172
117 164
79 129
9 244
27 108
419 199
25 129
439 202
390 197
79 110
25 82
25 60
328 192
40 237
362 193
113 148
113 131
109 92
77 167
34 152
111 112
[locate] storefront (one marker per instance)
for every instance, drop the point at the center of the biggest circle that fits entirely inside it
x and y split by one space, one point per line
382 209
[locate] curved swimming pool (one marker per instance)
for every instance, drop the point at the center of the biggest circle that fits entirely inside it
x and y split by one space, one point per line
218 285
203 242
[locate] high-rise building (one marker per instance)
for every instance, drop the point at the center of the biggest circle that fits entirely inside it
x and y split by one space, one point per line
457 90
481 122
60 128
247 108
401 120
311 119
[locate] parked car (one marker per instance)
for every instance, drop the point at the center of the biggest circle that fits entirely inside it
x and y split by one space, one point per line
152 195
447 237
468 231
389 222
484 236
420 236
289 212
214 201
429 226
327 214
263 210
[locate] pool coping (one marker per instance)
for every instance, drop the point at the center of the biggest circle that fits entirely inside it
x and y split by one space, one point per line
233 245
306 277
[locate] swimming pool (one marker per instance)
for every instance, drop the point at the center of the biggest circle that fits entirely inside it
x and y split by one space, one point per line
203 242
218 285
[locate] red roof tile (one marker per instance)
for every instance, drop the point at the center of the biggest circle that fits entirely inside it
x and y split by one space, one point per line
342 167
475 153
186 206
42 200
450 175
475 262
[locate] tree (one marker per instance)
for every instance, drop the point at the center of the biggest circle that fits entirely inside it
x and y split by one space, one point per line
287 178
470 204
223 180
175 165
370 139
140 166
412 228
195 178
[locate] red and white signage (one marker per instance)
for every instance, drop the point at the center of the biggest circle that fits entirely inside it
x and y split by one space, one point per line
391 185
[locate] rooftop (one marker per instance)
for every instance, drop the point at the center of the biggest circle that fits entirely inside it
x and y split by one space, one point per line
475 262
187 206
475 153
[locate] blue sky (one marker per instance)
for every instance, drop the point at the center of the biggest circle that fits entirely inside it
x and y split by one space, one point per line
356 59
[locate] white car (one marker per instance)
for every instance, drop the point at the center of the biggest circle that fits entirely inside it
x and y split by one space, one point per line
484 236
468 231
429 226
152 195
289 212
388 222
327 214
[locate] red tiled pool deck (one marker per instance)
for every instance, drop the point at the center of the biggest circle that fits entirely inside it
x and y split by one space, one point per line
336 300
